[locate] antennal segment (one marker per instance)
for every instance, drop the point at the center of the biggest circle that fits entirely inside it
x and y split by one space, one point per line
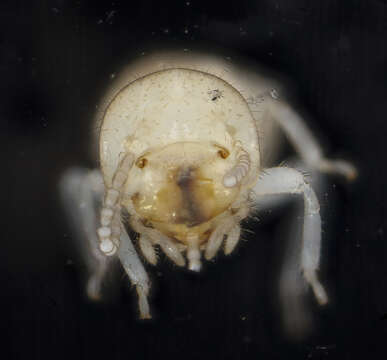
234 176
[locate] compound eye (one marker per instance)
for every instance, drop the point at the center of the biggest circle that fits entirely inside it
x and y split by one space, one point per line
141 162
223 153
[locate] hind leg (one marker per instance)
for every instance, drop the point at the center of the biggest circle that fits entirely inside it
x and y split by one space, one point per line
305 143
81 192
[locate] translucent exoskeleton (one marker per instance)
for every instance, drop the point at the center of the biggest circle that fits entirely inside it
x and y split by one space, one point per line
185 142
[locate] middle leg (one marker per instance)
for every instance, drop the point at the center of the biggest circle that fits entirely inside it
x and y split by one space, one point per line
284 180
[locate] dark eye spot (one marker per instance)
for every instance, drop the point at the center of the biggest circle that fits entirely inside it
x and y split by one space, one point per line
147 223
141 162
135 197
234 211
223 153
207 233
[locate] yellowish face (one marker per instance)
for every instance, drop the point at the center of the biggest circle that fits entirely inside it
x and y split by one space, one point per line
183 196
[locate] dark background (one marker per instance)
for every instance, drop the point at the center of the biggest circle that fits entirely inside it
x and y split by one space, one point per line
55 59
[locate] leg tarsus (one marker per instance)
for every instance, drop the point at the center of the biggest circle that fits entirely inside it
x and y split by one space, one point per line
318 290
143 304
340 167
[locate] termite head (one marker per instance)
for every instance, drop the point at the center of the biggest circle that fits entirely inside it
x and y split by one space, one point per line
179 189
196 152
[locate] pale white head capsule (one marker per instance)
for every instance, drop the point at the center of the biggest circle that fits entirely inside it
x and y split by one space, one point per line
195 154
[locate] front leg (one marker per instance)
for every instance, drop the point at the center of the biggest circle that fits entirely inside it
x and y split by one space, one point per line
136 272
284 180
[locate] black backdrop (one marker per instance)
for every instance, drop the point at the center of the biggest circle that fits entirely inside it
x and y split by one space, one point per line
55 58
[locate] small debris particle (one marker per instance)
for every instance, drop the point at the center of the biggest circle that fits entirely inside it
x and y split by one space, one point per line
247 339
242 32
110 15
215 94
274 94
